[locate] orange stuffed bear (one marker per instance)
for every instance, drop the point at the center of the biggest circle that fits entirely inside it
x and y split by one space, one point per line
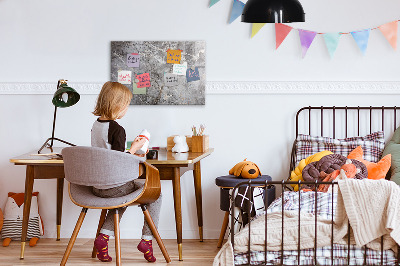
375 170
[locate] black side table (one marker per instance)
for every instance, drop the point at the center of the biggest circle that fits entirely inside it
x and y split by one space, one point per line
226 183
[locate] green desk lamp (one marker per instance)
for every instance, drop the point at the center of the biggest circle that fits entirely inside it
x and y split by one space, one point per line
64 96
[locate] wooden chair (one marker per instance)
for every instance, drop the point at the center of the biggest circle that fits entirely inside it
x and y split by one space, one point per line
85 167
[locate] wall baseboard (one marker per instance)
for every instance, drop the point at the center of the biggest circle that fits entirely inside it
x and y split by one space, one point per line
231 87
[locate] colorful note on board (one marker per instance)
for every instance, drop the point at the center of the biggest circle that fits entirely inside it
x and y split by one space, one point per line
170 79
143 80
125 77
132 60
136 90
180 69
192 74
174 56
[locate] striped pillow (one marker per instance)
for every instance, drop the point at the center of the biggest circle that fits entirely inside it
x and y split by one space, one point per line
372 145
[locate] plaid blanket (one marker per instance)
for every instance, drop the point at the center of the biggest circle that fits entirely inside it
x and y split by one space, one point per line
323 205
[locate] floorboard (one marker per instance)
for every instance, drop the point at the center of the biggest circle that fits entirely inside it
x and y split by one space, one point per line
49 252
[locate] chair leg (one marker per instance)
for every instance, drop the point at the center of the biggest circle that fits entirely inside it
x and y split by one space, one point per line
223 229
117 239
73 237
154 230
101 222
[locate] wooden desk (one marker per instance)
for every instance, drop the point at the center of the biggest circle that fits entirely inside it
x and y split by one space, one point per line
168 164
40 167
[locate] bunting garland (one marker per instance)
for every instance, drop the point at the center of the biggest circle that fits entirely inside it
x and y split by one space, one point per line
306 39
256 27
361 37
213 2
389 30
281 31
332 41
237 9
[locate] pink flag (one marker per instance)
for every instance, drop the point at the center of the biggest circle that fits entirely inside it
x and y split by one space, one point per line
281 31
306 39
389 30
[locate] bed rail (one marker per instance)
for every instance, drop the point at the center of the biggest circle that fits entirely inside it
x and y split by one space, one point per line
342 119
265 185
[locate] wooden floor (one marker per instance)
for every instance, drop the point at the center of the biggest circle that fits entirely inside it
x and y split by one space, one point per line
50 252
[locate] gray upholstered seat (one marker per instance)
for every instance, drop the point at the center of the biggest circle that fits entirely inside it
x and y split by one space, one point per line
83 196
85 167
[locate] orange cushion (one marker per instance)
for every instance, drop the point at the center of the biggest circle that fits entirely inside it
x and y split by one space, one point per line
375 170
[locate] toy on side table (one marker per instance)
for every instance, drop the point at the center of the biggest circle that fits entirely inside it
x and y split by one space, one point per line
13 215
245 169
180 144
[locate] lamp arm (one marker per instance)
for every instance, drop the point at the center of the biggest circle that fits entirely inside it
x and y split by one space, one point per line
54 126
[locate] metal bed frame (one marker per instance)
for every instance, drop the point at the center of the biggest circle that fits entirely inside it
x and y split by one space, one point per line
283 184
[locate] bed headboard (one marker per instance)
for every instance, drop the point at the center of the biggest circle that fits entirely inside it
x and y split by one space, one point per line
344 121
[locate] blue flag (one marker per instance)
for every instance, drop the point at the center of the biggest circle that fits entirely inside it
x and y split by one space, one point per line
237 9
361 38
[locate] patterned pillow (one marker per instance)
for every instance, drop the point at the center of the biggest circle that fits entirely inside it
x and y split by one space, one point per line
372 144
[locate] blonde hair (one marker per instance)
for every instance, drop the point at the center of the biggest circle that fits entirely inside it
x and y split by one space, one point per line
112 99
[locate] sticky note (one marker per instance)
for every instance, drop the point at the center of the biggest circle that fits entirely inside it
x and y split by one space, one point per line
180 69
170 79
144 80
192 75
136 90
125 77
133 60
174 56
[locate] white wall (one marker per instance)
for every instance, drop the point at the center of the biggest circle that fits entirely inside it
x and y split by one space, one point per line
42 41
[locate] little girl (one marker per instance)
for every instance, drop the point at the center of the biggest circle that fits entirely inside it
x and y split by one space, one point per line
112 103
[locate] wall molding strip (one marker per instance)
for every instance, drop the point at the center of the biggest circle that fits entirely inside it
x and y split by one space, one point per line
232 87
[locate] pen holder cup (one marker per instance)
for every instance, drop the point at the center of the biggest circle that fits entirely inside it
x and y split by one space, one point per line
152 155
200 143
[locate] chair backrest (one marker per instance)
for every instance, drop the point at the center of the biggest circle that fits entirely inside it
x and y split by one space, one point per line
92 166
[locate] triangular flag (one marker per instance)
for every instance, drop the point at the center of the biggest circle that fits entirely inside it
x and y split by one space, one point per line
361 37
306 39
390 32
256 28
281 31
237 9
332 41
213 2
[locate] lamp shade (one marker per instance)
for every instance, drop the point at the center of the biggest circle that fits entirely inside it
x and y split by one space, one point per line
273 11
65 96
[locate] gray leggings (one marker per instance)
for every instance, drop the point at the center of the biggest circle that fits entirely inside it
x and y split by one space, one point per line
154 208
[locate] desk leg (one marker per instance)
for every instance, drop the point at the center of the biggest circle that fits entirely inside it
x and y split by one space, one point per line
199 204
60 190
176 182
27 206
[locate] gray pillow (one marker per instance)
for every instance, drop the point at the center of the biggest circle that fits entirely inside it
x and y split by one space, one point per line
393 148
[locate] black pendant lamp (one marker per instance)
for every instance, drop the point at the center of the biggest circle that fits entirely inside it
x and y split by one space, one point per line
273 11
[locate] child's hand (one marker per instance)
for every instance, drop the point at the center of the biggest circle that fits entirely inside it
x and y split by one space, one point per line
137 144
143 155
